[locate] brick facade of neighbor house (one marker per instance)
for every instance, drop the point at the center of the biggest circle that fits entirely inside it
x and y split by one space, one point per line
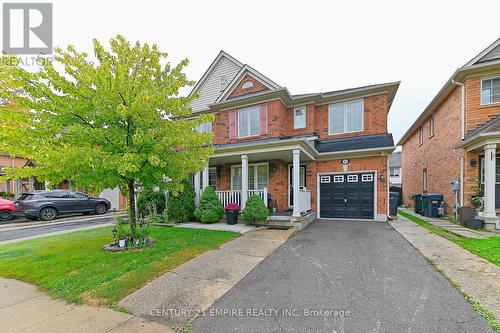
435 153
446 153
241 90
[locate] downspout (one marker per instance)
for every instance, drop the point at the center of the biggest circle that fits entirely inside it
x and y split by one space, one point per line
462 136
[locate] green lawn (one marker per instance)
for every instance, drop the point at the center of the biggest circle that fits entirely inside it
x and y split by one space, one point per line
74 266
488 249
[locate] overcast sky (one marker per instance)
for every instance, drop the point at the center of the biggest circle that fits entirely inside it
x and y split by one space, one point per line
307 46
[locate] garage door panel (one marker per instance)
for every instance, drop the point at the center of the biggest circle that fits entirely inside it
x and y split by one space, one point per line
348 199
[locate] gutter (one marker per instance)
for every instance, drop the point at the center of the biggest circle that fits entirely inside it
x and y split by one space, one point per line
462 106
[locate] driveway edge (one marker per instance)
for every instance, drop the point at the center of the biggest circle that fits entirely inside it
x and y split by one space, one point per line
474 276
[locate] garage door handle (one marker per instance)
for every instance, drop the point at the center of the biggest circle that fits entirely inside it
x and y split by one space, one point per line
345 200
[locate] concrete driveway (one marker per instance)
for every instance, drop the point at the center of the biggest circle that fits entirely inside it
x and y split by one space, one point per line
343 276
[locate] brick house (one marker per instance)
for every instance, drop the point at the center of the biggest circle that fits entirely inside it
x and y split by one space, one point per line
453 135
318 154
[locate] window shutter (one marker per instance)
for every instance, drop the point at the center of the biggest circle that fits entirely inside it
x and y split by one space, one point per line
233 123
263 118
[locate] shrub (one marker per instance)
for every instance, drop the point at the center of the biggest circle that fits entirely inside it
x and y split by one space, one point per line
150 202
255 209
210 209
181 205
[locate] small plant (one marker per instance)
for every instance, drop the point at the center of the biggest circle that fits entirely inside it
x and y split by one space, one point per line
156 218
210 209
255 210
232 206
478 203
180 205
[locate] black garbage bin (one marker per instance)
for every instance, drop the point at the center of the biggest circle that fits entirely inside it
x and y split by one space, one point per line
417 203
430 204
393 205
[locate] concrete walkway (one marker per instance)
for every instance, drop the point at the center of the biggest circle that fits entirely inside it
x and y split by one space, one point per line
473 275
183 293
452 227
25 309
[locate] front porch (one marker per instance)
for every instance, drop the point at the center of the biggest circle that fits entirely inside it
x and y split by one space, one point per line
279 178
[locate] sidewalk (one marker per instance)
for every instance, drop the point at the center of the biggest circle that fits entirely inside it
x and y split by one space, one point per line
473 275
452 227
178 296
25 309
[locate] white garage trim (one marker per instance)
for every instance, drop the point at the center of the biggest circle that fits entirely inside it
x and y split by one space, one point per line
375 198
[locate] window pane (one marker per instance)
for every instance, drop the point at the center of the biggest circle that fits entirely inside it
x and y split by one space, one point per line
212 177
236 178
495 93
254 121
336 118
354 116
251 177
242 123
486 92
300 118
261 177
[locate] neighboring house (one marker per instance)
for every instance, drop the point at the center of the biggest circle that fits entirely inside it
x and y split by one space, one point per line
13 188
318 153
451 138
395 164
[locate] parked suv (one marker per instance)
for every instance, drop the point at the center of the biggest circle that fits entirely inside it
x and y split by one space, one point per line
47 205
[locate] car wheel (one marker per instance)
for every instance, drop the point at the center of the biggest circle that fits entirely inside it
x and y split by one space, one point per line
101 209
48 214
5 215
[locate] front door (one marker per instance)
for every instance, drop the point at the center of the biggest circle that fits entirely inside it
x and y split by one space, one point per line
290 182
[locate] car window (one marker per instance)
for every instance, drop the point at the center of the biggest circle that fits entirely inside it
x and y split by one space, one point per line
57 194
78 195
25 197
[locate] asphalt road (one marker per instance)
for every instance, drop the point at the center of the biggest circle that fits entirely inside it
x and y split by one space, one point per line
22 232
345 276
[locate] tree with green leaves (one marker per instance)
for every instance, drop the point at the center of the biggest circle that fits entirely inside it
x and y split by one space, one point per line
114 119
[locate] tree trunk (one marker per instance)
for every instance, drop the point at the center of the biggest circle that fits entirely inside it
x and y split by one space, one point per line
131 200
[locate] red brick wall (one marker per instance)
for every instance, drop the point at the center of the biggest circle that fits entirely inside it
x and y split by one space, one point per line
281 121
239 91
435 154
7 161
278 178
477 114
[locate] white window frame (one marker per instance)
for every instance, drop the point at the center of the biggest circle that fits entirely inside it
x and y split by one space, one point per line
304 110
481 90
338 178
367 177
255 170
352 178
425 184
205 127
212 170
330 132
245 109
324 179
392 171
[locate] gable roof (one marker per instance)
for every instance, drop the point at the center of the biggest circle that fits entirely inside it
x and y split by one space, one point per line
246 69
486 61
222 55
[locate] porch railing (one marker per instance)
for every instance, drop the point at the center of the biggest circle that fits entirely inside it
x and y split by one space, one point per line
234 196
304 201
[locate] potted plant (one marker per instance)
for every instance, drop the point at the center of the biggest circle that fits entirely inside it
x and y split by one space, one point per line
232 212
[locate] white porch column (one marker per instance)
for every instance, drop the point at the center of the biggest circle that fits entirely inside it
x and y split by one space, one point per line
296 182
244 180
197 188
489 180
204 180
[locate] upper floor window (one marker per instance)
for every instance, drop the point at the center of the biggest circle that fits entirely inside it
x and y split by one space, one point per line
421 135
345 117
431 127
205 127
394 172
490 90
299 117
248 121
424 180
